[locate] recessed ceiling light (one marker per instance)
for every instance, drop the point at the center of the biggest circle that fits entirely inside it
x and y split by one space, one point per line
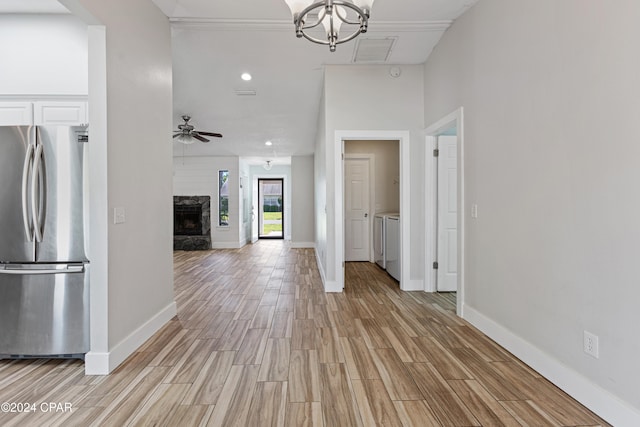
246 77
269 143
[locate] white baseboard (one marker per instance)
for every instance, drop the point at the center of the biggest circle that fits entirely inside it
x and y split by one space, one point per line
320 269
105 363
594 397
412 285
96 363
310 245
332 286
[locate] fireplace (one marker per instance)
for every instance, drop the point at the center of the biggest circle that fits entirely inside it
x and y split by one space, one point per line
191 223
187 220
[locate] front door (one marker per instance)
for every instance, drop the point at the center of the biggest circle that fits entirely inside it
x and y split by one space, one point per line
271 208
357 219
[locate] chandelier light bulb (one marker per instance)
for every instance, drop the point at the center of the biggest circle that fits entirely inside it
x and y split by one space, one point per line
333 22
365 5
297 6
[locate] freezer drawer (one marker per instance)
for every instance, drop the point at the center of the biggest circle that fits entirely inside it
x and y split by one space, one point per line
44 312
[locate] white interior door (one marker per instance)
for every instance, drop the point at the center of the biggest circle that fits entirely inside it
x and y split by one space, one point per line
357 218
447 215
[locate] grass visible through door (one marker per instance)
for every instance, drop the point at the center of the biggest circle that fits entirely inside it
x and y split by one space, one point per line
272 216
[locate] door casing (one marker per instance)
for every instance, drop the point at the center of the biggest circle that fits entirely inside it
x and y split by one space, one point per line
335 248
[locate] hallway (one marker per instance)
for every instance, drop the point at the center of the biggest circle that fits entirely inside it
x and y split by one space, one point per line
257 342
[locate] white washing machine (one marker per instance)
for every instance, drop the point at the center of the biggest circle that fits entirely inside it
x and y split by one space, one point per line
378 239
392 245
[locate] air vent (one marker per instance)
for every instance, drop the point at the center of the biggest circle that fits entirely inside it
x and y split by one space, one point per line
370 51
245 92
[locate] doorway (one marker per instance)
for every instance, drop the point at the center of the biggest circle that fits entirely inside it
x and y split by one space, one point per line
271 208
335 218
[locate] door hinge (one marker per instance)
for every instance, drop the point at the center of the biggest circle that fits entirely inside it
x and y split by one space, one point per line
436 152
342 156
435 265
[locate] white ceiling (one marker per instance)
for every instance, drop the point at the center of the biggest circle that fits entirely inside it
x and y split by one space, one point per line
31 6
215 41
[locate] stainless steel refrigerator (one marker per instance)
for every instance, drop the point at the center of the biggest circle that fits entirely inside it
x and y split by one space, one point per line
44 269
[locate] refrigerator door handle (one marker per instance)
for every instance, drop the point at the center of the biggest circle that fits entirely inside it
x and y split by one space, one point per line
37 189
26 220
23 271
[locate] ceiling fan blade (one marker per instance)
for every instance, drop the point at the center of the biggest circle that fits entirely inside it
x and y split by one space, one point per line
198 137
175 135
217 135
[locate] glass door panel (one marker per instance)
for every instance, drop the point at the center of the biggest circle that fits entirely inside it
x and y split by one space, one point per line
271 208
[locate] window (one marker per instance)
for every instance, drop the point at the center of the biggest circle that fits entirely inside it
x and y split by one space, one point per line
223 198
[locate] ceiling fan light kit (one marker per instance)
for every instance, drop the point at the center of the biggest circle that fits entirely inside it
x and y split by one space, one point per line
187 134
185 139
332 14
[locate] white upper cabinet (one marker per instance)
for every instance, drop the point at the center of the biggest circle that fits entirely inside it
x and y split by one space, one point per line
67 113
64 113
16 113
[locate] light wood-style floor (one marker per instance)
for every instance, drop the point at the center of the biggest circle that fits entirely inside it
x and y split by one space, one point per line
258 343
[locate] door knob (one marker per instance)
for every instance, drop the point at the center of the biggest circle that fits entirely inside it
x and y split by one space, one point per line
366 215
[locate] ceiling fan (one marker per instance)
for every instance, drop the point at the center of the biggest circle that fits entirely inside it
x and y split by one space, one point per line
186 133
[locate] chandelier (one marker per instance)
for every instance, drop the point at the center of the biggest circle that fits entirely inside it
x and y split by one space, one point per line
332 14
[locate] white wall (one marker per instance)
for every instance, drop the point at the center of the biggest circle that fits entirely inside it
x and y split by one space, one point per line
43 55
198 176
550 92
302 201
130 95
352 104
386 177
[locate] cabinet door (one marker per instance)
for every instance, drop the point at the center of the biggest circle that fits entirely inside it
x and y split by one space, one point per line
16 113
66 113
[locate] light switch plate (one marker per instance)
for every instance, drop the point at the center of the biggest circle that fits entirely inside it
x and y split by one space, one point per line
118 215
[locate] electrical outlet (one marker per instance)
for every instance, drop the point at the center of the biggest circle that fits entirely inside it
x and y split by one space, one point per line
590 344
